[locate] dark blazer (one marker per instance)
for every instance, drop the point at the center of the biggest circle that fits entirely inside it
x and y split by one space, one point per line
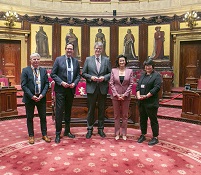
28 83
90 69
121 88
153 86
59 73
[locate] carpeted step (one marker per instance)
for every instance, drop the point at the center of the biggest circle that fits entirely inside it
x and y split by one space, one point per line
173 95
174 103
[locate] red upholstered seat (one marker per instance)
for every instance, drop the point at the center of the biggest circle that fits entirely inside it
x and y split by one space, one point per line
199 84
81 88
134 89
4 81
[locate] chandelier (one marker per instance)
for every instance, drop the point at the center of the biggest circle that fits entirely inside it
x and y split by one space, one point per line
10 18
190 18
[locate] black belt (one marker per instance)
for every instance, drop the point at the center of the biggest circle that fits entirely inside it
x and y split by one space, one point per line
37 95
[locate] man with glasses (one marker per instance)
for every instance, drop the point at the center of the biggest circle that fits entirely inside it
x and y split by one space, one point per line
66 74
96 71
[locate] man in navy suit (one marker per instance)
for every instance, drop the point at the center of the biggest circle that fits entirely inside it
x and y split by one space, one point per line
66 74
96 71
34 83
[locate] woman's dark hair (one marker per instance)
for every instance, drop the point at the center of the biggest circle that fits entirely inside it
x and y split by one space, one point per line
121 56
149 61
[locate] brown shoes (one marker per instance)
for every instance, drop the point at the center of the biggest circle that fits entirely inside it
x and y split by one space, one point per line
48 140
31 140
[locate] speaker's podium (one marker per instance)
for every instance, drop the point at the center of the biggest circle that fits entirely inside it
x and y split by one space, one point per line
191 105
8 102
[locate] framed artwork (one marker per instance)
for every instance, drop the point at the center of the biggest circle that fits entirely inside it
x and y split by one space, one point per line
129 42
100 34
71 34
159 42
41 40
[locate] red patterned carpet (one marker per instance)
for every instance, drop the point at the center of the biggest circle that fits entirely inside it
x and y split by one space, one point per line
178 152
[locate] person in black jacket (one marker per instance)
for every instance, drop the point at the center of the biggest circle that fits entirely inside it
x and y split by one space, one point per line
147 90
34 83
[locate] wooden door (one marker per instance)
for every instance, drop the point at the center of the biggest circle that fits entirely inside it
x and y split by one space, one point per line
10 60
190 60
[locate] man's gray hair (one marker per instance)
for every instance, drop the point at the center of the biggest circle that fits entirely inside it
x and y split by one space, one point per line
34 55
98 44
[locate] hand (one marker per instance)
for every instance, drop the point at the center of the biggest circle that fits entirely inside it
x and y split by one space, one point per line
120 97
64 84
35 98
72 85
40 97
94 78
101 78
141 97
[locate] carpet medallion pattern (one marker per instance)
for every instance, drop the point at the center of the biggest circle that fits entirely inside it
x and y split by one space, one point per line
178 152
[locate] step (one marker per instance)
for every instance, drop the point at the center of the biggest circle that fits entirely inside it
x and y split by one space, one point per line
173 96
174 103
177 89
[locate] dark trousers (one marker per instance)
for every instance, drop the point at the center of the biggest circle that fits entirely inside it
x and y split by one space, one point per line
150 113
41 107
64 103
92 100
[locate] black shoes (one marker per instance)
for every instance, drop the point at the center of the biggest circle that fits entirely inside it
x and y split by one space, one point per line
141 139
89 134
153 141
69 134
57 139
101 133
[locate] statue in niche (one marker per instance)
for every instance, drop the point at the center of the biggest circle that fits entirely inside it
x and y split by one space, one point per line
42 46
72 38
129 48
159 38
100 37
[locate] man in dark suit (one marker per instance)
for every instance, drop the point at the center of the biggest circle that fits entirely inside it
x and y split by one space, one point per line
96 71
66 74
34 83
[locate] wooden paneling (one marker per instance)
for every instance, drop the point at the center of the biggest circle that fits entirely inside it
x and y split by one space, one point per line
191 105
79 112
10 56
8 102
189 62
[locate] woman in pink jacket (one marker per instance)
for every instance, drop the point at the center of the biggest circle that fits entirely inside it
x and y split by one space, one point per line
121 82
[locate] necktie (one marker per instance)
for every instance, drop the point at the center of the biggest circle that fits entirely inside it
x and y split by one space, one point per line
69 71
36 82
98 64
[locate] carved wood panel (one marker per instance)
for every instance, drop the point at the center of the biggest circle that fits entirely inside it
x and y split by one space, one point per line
189 62
10 55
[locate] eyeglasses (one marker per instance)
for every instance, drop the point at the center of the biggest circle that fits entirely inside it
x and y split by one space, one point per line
98 48
69 49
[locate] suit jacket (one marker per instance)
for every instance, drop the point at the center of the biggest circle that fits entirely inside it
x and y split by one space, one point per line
90 69
121 88
28 83
59 73
153 86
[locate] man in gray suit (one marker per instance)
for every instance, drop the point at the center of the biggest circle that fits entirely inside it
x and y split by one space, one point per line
96 71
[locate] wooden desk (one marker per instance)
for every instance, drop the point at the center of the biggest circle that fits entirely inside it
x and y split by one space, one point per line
191 105
8 102
79 113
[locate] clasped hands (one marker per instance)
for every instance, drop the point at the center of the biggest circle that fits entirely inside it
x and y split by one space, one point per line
120 97
141 97
37 99
66 85
98 79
